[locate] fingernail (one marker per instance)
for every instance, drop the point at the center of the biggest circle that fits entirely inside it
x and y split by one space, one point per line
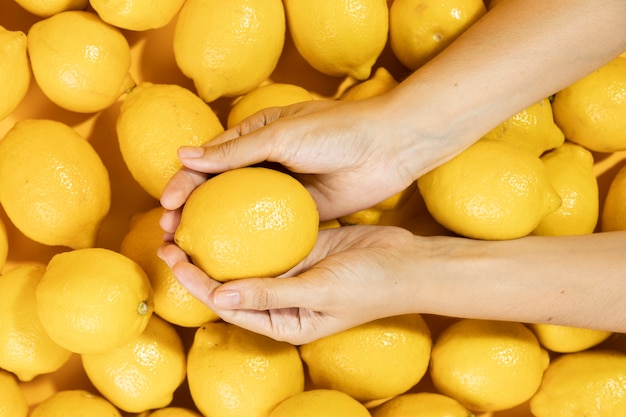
190 151
226 299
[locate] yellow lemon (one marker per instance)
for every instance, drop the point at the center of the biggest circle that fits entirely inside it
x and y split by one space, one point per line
47 8
15 73
487 365
570 170
614 209
173 412
381 82
269 95
233 372
137 15
420 29
248 222
229 47
53 185
154 121
171 300
532 128
373 361
421 404
79 62
25 347
339 38
566 339
4 245
329 224
366 216
144 373
76 403
590 111
12 400
106 302
588 383
492 190
320 403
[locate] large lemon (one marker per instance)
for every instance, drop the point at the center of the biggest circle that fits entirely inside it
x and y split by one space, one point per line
75 402
421 404
137 15
567 339
47 8
12 399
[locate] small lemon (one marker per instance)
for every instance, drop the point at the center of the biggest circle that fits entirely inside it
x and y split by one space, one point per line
373 361
492 190
4 244
233 372
570 170
12 399
366 216
15 73
53 185
614 209
137 15
381 82
329 224
320 403
144 373
229 47
248 222
533 128
79 62
567 339
47 8
339 38
269 95
106 302
487 365
420 29
588 383
421 404
590 111
154 121
75 403
174 412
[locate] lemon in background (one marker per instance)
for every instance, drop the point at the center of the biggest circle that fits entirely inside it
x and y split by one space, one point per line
53 185
320 403
229 47
339 38
421 404
47 8
614 209
15 73
379 83
173 412
567 339
79 62
4 244
77 403
12 400
137 15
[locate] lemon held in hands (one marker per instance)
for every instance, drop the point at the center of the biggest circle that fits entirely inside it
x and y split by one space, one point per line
248 222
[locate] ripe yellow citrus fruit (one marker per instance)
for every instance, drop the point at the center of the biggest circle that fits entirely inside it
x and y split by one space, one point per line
53 185
248 222
320 403
49 8
4 245
79 62
373 361
614 209
532 128
566 339
419 30
487 365
78 402
171 300
379 83
421 404
106 302
12 400
590 111
233 372
339 38
229 47
493 190
25 347
174 412
570 170
588 383
154 121
366 216
144 373
137 15
15 73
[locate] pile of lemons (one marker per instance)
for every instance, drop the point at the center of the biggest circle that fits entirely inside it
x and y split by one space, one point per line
97 96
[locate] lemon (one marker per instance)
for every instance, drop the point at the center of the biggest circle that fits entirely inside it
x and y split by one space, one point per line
373 361
566 339
15 73
533 128
381 82
144 373
614 209
487 365
248 222
47 8
137 15
421 404
229 47
75 403
154 121
329 224
268 95
320 403
590 111
106 302
233 372
493 190
12 400
420 29
589 383
4 244
79 62
173 412
339 38
570 170
366 216
53 185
